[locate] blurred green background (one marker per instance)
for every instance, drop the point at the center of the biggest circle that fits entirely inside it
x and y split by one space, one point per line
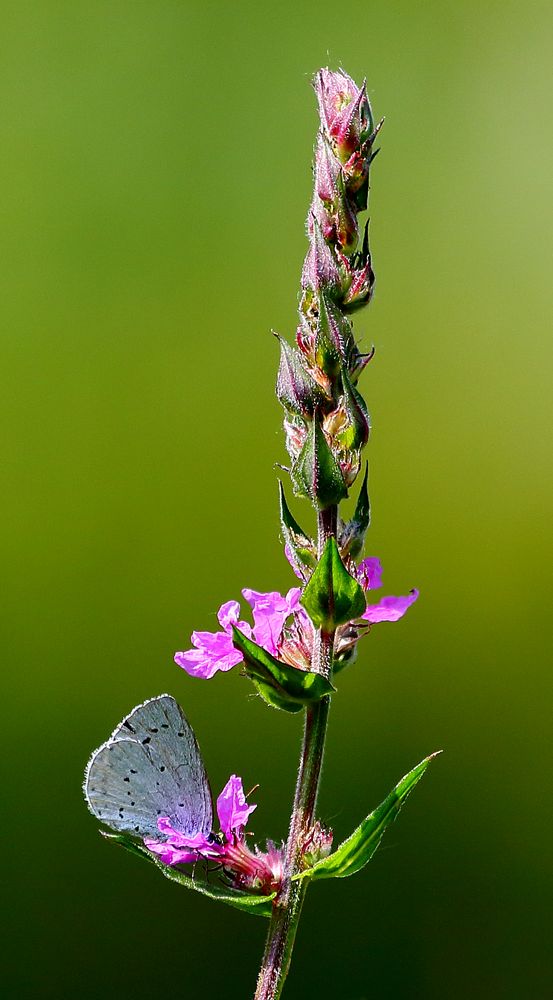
155 178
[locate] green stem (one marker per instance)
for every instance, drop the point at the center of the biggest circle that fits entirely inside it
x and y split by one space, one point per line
287 908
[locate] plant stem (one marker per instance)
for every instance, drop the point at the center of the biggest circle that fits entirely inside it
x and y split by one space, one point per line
287 908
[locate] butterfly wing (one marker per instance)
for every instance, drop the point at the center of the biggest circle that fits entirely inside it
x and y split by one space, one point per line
151 766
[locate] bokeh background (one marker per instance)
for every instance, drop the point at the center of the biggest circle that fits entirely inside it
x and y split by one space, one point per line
154 181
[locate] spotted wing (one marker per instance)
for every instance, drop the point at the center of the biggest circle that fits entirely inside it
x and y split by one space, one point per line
151 766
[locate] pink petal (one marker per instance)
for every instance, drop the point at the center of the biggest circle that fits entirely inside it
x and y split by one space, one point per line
291 559
181 848
228 615
210 657
214 650
170 855
270 612
232 808
389 609
369 573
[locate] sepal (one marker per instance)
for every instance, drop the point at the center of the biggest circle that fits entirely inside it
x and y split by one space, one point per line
332 597
279 684
260 906
354 853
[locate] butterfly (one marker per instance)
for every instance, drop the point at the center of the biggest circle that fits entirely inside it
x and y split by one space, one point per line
151 766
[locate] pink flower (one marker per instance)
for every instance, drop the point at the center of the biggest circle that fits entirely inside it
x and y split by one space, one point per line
180 848
246 868
388 609
270 612
214 650
369 573
232 808
282 627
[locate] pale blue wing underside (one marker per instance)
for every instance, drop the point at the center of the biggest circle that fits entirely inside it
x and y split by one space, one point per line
151 766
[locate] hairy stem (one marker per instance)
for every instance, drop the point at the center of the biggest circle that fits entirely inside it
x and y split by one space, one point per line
288 905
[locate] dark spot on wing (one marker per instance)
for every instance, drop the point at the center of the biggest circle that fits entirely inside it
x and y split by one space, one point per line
137 828
180 734
132 803
162 768
128 726
127 779
147 739
164 725
133 772
154 730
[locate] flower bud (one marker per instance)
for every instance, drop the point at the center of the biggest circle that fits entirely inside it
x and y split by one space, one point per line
333 327
345 111
350 464
359 425
295 389
358 276
317 844
295 433
320 268
316 473
327 170
331 206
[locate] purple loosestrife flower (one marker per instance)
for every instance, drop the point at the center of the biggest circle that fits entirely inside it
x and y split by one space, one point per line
214 650
270 612
388 609
245 868
282 627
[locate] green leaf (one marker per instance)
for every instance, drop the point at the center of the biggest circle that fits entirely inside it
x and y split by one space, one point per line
332 597
316 473
303 548
352 536
289 686
354 853
274 698
260 906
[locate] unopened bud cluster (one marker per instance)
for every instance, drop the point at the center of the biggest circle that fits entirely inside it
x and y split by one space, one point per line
326 420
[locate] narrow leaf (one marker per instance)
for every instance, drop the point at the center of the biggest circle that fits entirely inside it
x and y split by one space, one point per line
301 546
332 597
260 906
354 853
357 431
291 685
